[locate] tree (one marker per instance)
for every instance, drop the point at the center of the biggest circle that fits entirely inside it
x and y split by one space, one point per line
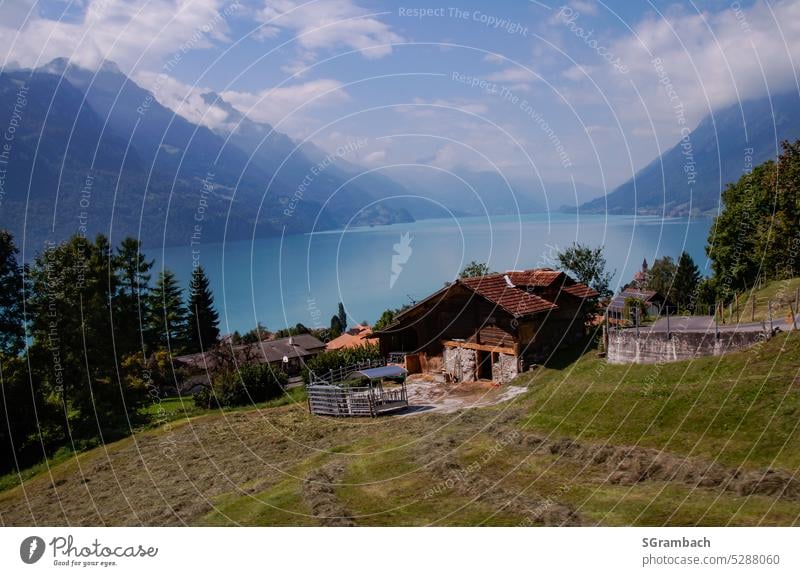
12 330
661 277
298 328
167 326
131 300
249 384
757 232
388 317
340 358
342 317
474 269
25 419
587 265
687 280
336 326
73 350
203 323
254 335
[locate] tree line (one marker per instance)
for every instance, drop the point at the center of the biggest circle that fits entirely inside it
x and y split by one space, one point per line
85 341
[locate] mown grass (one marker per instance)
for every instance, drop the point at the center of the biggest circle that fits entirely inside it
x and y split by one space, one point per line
742 408
170 410
476 467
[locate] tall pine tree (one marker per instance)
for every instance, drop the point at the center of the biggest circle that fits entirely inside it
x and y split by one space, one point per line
687 278
202 328
132 270
11 326
167 326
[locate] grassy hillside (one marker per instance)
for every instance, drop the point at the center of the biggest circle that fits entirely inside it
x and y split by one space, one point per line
684 443
755 305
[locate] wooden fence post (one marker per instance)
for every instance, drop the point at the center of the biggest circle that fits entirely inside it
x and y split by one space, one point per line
769 312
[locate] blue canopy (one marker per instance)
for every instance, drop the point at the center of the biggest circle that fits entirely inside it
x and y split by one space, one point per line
380 372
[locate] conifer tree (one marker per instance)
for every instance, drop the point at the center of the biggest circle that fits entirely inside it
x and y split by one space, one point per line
202 328
131 301
167 326
11 326
687 278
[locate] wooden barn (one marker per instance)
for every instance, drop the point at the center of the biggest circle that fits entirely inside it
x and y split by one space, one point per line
491 327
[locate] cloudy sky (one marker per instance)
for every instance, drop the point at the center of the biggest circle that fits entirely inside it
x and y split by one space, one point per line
589 91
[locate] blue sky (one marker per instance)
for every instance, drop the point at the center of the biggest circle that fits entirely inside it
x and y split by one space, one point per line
589 91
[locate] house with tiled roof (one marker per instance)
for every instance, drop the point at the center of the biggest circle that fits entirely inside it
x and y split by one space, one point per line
359 335
653 304
492 327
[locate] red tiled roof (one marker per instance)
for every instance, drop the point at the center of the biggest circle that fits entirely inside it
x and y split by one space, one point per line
540 277
514 300
358 336
581 291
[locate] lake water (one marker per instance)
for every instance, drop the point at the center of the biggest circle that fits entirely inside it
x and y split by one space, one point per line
282 281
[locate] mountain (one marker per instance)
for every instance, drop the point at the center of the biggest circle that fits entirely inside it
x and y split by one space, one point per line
327 179
465 192
94 152
723 146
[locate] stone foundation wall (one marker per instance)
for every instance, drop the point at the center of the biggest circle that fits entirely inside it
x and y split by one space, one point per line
461 363
624 347
505 369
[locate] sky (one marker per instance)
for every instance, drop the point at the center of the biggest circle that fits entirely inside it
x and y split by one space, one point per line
579 91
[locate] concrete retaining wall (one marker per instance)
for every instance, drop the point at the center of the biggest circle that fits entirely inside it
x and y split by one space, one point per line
624 347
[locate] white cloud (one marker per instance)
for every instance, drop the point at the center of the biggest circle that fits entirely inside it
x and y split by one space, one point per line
584 7
279 105
327 25
714 59
425 109
148 31
272 105
494 58
376 157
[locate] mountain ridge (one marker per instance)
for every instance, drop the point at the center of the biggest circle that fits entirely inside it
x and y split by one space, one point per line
723 145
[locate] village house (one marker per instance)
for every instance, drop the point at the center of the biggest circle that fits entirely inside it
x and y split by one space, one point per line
285 354
653 304
490 327
359 335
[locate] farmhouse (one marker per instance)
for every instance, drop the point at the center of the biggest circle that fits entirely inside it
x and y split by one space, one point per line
490 327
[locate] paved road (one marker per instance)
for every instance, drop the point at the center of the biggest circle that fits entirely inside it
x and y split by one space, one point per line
706 324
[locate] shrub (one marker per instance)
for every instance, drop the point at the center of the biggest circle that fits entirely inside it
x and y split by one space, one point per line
334 359
251 384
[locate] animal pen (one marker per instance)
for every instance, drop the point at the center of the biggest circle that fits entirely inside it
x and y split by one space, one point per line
358 391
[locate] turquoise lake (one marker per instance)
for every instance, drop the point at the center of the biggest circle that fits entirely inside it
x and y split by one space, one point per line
282 281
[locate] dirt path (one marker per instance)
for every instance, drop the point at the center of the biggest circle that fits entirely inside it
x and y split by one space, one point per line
427 394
